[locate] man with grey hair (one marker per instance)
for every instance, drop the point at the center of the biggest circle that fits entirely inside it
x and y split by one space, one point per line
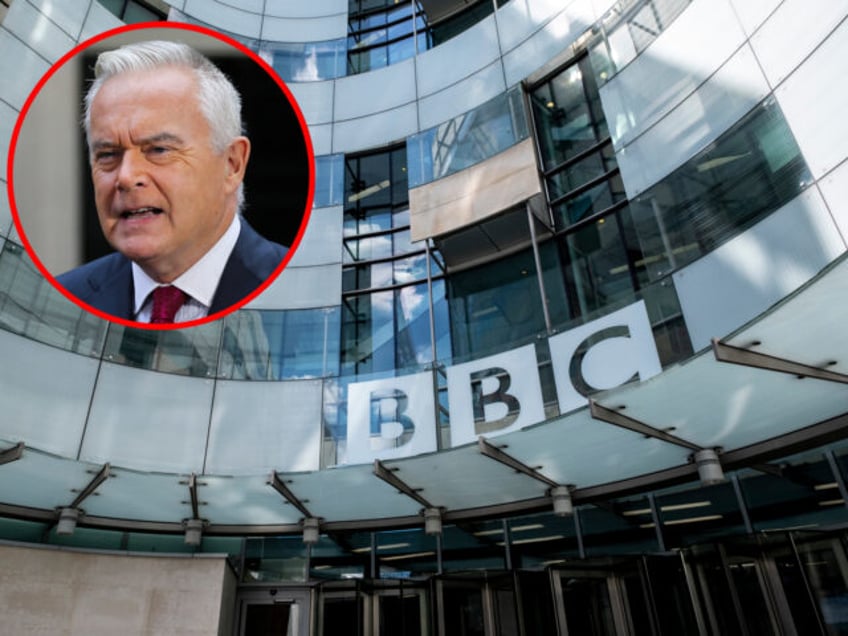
168 159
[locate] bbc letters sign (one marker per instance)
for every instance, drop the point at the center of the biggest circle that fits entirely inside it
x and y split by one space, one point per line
396 417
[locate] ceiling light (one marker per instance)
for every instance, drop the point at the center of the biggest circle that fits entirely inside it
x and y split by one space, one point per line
311 528
193 531
67 521
709 466
432 521
561 496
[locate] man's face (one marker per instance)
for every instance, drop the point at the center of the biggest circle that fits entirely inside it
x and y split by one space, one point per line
163 195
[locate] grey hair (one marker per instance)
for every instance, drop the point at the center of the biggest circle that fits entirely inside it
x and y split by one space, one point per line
219 100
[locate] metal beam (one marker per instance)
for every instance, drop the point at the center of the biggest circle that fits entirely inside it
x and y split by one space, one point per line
617 418
11 454
745 357
192 491
101 476
279 485
493 452
388 475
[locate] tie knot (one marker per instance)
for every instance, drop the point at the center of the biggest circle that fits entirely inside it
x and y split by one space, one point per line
166 301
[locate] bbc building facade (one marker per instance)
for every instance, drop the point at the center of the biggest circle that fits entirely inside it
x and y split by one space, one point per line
562 349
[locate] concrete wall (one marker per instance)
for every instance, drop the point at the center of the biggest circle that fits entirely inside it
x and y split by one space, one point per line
62 592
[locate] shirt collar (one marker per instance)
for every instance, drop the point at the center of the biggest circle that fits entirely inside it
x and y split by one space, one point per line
201 279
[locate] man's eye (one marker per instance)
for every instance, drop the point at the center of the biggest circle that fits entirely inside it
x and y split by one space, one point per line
158 150
105 156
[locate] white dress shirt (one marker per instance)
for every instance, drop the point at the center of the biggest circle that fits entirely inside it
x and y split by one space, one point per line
199 281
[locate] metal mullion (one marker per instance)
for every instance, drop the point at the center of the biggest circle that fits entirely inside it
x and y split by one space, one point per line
580 156
585 187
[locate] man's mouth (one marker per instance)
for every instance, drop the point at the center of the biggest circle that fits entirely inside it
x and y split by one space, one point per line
137 212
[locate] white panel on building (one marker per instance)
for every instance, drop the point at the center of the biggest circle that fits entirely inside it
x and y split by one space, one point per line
391 418
834 188
624 349
302 288
792 32
708 112
316 29
814 101
547 42
375 130
742 278
752 13
311 9
321 243
520 19
37 31
98 20
461 97
146 420
225 17
685 55
494 395
384 89
5 211
45 393
322 139
20 70
68 14
315 100
262 426
458 58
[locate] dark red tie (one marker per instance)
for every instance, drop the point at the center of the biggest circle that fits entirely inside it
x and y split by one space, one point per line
166 301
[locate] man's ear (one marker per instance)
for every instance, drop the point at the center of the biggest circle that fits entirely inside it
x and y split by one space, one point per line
237 155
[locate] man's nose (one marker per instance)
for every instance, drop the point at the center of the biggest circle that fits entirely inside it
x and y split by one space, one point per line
132 171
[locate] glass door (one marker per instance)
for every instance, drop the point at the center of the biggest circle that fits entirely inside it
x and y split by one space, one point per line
273 612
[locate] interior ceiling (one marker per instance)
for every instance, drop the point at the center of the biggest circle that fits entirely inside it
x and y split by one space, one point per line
775 387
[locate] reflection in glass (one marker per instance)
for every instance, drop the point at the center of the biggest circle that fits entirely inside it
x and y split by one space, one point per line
280 345
467 139
191 352
329 181
31 307
495 307
750 171
306 62
568 115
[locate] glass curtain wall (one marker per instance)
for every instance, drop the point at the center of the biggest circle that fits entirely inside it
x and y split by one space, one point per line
384 32
385 292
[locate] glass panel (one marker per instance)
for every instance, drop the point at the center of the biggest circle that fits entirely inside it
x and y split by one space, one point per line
495 307
584 170
274 559
698 514
589 202
137 13
183 351
621 528
750 171
567 114
307 62
278 345
329 181
597 272
461 608
386 330
673 603
629 28
587 606
824 562
467 139
268 620
31 307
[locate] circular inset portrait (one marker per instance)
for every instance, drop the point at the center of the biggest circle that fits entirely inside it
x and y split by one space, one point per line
161 175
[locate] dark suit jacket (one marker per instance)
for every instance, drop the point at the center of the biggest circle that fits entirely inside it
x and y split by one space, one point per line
107 284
